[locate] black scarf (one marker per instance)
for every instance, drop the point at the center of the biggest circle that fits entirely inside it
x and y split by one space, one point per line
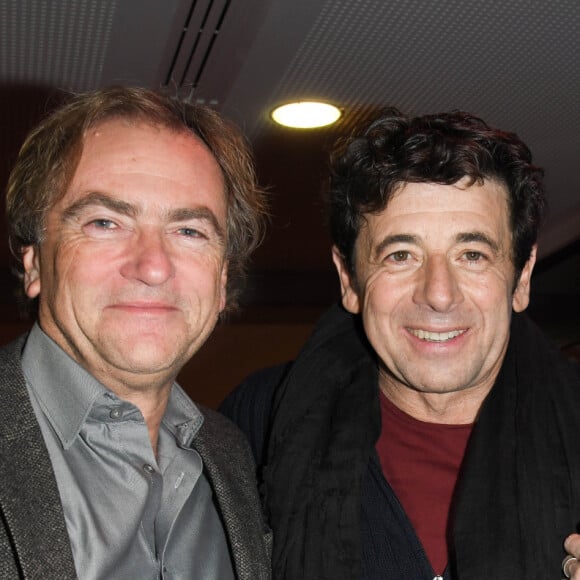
518 491
325 422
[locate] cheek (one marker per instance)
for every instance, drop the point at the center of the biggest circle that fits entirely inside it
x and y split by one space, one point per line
81 281
384 309
78 274
492 295
384 295
204 277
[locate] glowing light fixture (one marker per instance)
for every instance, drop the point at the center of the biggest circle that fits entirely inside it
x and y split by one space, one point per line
306 114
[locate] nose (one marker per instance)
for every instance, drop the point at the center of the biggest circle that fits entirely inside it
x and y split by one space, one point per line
148 260
438 287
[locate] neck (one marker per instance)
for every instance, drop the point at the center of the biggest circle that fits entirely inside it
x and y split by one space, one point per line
453 408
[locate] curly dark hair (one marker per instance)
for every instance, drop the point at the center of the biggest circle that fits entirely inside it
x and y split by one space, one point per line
394 149
51 153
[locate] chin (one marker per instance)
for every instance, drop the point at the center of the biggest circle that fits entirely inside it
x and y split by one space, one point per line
435 385
147 358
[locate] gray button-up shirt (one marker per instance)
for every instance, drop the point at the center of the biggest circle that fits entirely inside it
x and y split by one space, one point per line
128 513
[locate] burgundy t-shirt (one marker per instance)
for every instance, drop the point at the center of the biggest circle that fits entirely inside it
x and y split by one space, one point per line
421 462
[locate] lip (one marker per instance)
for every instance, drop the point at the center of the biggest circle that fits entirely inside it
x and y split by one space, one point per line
144 307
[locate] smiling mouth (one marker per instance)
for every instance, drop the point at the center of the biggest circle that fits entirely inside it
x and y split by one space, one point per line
435 336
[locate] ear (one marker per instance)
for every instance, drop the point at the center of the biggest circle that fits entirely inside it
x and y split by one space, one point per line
31 262
350 297
521 297
223 290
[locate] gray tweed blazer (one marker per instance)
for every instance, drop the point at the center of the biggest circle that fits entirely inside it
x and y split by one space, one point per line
33 537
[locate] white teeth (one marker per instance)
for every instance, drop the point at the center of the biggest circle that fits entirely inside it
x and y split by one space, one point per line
435 336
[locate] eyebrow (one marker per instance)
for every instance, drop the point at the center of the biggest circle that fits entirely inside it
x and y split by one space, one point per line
394 239
96 198
461 238
478 237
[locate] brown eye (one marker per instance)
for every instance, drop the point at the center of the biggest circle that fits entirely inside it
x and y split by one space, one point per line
399 256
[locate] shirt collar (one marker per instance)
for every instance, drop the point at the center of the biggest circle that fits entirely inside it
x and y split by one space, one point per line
67 392
182 417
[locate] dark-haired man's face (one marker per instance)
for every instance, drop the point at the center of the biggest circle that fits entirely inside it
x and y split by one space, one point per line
434 287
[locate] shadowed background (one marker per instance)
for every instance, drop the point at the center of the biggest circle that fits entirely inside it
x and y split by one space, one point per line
512 62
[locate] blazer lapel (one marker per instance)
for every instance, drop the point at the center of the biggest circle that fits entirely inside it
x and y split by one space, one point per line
230 469
29 498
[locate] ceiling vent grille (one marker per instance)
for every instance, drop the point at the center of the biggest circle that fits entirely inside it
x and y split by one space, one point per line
200 31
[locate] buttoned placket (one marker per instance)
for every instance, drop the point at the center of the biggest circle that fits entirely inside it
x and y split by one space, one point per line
181 471
134 435
171 477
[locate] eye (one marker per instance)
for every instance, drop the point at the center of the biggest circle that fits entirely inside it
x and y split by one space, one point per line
399 256
191 233
474 256
103 224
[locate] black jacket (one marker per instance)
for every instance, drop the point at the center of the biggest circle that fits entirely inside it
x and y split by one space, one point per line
313 425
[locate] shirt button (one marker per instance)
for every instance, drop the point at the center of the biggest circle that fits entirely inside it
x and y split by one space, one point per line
115 413
149 469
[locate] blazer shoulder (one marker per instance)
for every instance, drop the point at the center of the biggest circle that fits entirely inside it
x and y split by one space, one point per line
218 426
34 534
16 413
10 358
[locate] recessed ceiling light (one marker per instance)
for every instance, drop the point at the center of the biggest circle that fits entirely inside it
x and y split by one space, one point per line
306 114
